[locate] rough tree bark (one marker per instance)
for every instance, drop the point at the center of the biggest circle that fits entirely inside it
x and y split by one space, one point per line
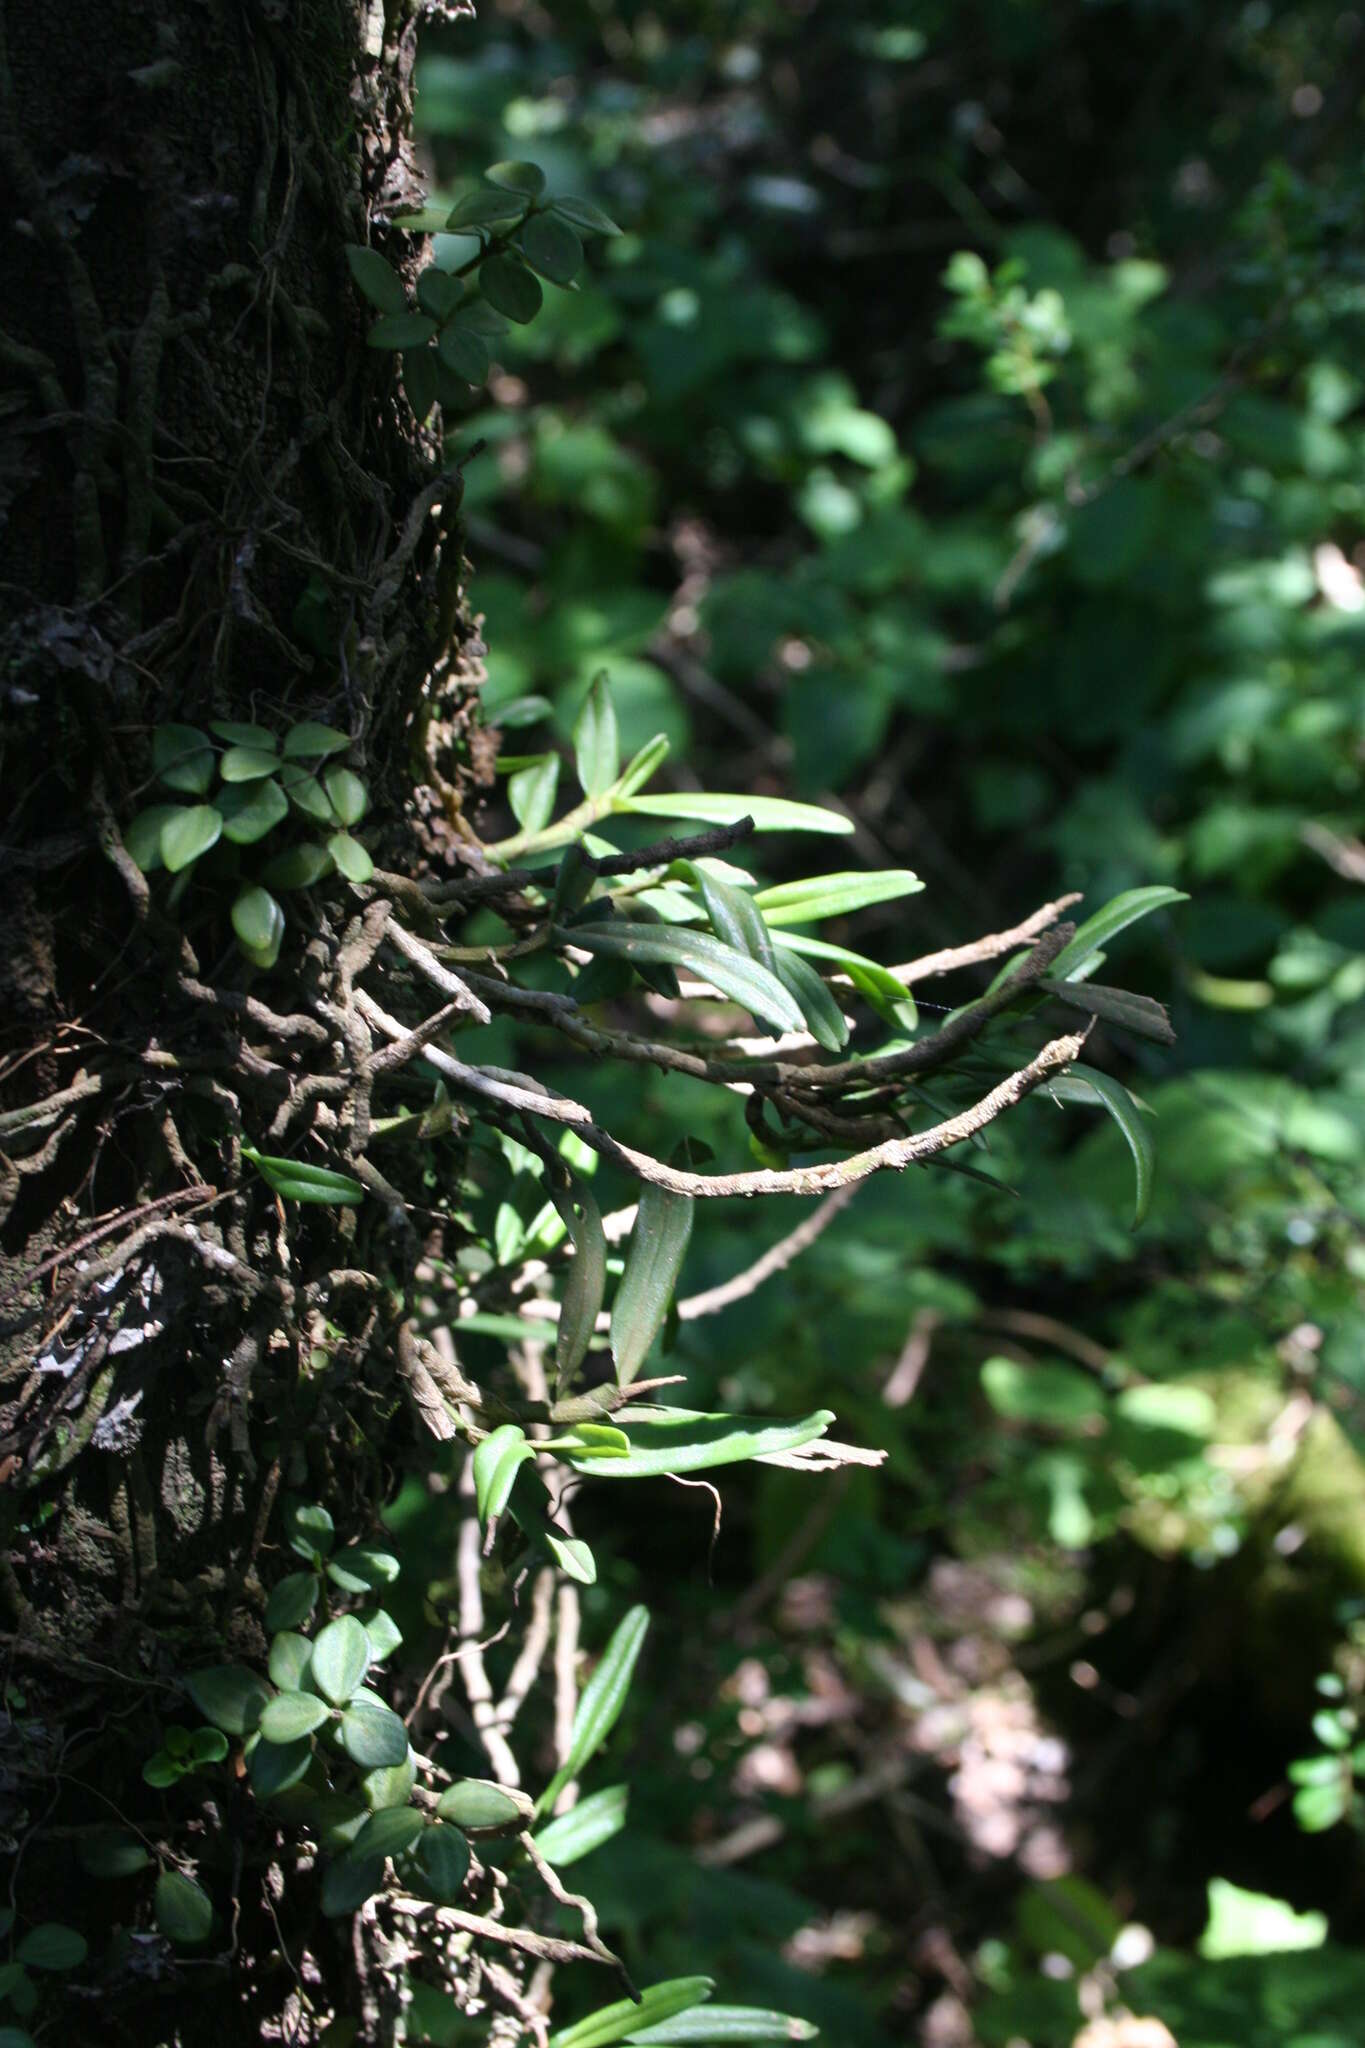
214 503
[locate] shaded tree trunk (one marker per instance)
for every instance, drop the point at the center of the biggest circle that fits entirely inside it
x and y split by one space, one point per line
215 505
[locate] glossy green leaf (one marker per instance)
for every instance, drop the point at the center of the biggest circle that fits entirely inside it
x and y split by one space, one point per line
483 1807
584 1827
341 1657
721 2024
616 2022
551 246
769 813
658 1245
258 920
586 1282
442 1858
642 767
292 1600
142 835
347 795
189 833
310 1529
183 758
531 793
597 746
586 216
297 868
668 1440
387 1833
824 1018
511 288
735 918
1097 931
305 791
373 1736
514 175
291 1715
497 1460
383 1631
601 1701
376 279
1131 1120
248 764
400 331
300 1182
184 1912
311 739
351 858
834 895
390 1784
229 1695
290 1662
274 1767
208 1746
573 1556
363 1568
745 981
249 810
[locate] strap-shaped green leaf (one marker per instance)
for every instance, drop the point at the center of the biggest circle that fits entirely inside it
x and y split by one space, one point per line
1142 1014
769 813
834 895
711 2026
617 2022
584 1827
734 974
597 746
658 1244
668 1440
1081 1081
299 1182
1106 924
735 918
586 1282
818 1007
600 1702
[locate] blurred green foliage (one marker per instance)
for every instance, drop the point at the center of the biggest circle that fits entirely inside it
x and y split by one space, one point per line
968 427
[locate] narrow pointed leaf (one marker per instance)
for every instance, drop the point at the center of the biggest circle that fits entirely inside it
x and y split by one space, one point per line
720 2024
597 747
642 766
658 1245
745 981
300 1182
1106 924
822 1013
531 793
833 895
1141 1014
672 1440
586 1282
611 2023
584 1827
1130 1119
601 1701
735 919
769 813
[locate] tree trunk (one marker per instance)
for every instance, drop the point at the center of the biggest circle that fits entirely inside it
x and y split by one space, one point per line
214 505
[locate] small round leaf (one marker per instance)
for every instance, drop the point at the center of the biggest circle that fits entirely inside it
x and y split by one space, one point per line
184 1913
389 1784
464 351
350 856
109 1852
477 1803
438 293
551 247
373 1736
310 739
346 1887
511 288
298 868
188 834
442 1857
348 795
388 1833
183 758
341 1657
52 1946
258 920
142 836
292 1715
291 1660
251 809
248 764
292 1600
274 1766
380 284
400 330
517 176
229 1696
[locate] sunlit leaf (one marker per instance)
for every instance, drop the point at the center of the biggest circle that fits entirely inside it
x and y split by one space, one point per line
601 1701
769 813
617 2022
669 1440
732 973
833 895
658 1245
584 1827
597 752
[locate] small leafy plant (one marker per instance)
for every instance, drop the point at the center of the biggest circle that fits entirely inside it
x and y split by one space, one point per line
252 785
